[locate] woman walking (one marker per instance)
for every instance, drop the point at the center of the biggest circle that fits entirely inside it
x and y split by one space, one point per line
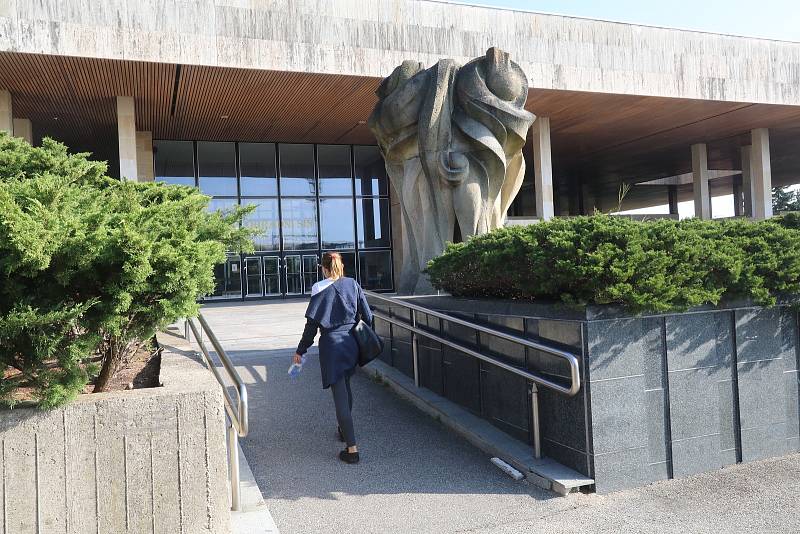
337 303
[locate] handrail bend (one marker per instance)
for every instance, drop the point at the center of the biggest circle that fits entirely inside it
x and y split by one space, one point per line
572 360
236 409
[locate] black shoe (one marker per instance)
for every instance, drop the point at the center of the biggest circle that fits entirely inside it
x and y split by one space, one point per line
348 457
341 436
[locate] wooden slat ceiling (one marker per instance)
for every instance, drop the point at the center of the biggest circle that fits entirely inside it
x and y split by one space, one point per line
601 138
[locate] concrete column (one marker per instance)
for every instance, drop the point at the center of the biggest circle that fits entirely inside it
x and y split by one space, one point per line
672 199
543 168
747 182
702 199
23 129
126 129
6 113
144 156
761 178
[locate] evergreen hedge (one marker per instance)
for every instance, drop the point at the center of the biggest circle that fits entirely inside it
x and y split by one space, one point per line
91 266
659 265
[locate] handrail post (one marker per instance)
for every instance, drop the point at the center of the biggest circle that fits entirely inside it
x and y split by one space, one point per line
236 413
415 347
233 465
186 329
537 438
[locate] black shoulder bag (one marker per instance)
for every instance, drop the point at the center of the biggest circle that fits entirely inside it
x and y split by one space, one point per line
370 345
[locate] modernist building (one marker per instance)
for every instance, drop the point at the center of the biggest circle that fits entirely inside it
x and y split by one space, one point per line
266 102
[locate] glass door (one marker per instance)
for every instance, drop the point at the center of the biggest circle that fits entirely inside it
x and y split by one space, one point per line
310 272
228 277
272 276
300 273
293 272
254 286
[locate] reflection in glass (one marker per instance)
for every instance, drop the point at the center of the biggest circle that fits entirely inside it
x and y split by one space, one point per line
222 204
216 165
174 162
370 170
372 218
265 219
257 170
376 269
333 162
297 170
336 222
299 218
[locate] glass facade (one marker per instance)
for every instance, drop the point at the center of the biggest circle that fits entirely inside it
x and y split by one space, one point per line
308 199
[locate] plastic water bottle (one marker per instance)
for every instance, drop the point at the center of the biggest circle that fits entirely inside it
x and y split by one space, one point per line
296 368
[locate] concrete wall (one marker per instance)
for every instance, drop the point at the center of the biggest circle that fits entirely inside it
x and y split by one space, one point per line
371 38
136 461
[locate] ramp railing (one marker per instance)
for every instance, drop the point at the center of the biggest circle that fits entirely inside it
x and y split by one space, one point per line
536 380
235 408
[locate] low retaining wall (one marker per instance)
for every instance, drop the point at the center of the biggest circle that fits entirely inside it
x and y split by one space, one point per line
148 460
662 396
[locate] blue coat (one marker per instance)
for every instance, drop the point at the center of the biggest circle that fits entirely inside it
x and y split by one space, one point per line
333 312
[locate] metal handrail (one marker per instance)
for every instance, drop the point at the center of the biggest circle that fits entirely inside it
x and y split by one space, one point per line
236 409
536 380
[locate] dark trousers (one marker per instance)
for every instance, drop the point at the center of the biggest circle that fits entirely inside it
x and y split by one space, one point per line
343 399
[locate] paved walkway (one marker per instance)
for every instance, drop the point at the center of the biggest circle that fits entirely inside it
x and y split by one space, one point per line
415 476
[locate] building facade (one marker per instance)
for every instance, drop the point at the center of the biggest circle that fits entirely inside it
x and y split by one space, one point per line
265 102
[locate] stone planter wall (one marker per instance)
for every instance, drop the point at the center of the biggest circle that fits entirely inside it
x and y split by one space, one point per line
663 396
149 460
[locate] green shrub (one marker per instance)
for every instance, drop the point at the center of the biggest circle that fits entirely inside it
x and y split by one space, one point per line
92 266
655 265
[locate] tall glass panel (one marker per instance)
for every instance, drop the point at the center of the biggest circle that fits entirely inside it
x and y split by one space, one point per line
297 170
257 170
336 223
370 172
333 162
372 218
222 204
265 219
216 165
174 162
376 269
299 219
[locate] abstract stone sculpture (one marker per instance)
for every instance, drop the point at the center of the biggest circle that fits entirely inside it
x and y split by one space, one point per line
452 140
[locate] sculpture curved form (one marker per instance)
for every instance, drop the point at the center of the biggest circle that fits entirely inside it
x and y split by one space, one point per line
452 139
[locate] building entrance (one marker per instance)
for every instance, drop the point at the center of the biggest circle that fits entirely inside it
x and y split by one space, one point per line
268 275
307 199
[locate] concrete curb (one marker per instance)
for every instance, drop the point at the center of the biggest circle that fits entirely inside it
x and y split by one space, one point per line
543 472
255 517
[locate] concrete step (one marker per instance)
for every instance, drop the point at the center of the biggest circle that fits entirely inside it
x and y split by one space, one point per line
543 472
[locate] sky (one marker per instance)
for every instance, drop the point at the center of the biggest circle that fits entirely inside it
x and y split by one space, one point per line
770 19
